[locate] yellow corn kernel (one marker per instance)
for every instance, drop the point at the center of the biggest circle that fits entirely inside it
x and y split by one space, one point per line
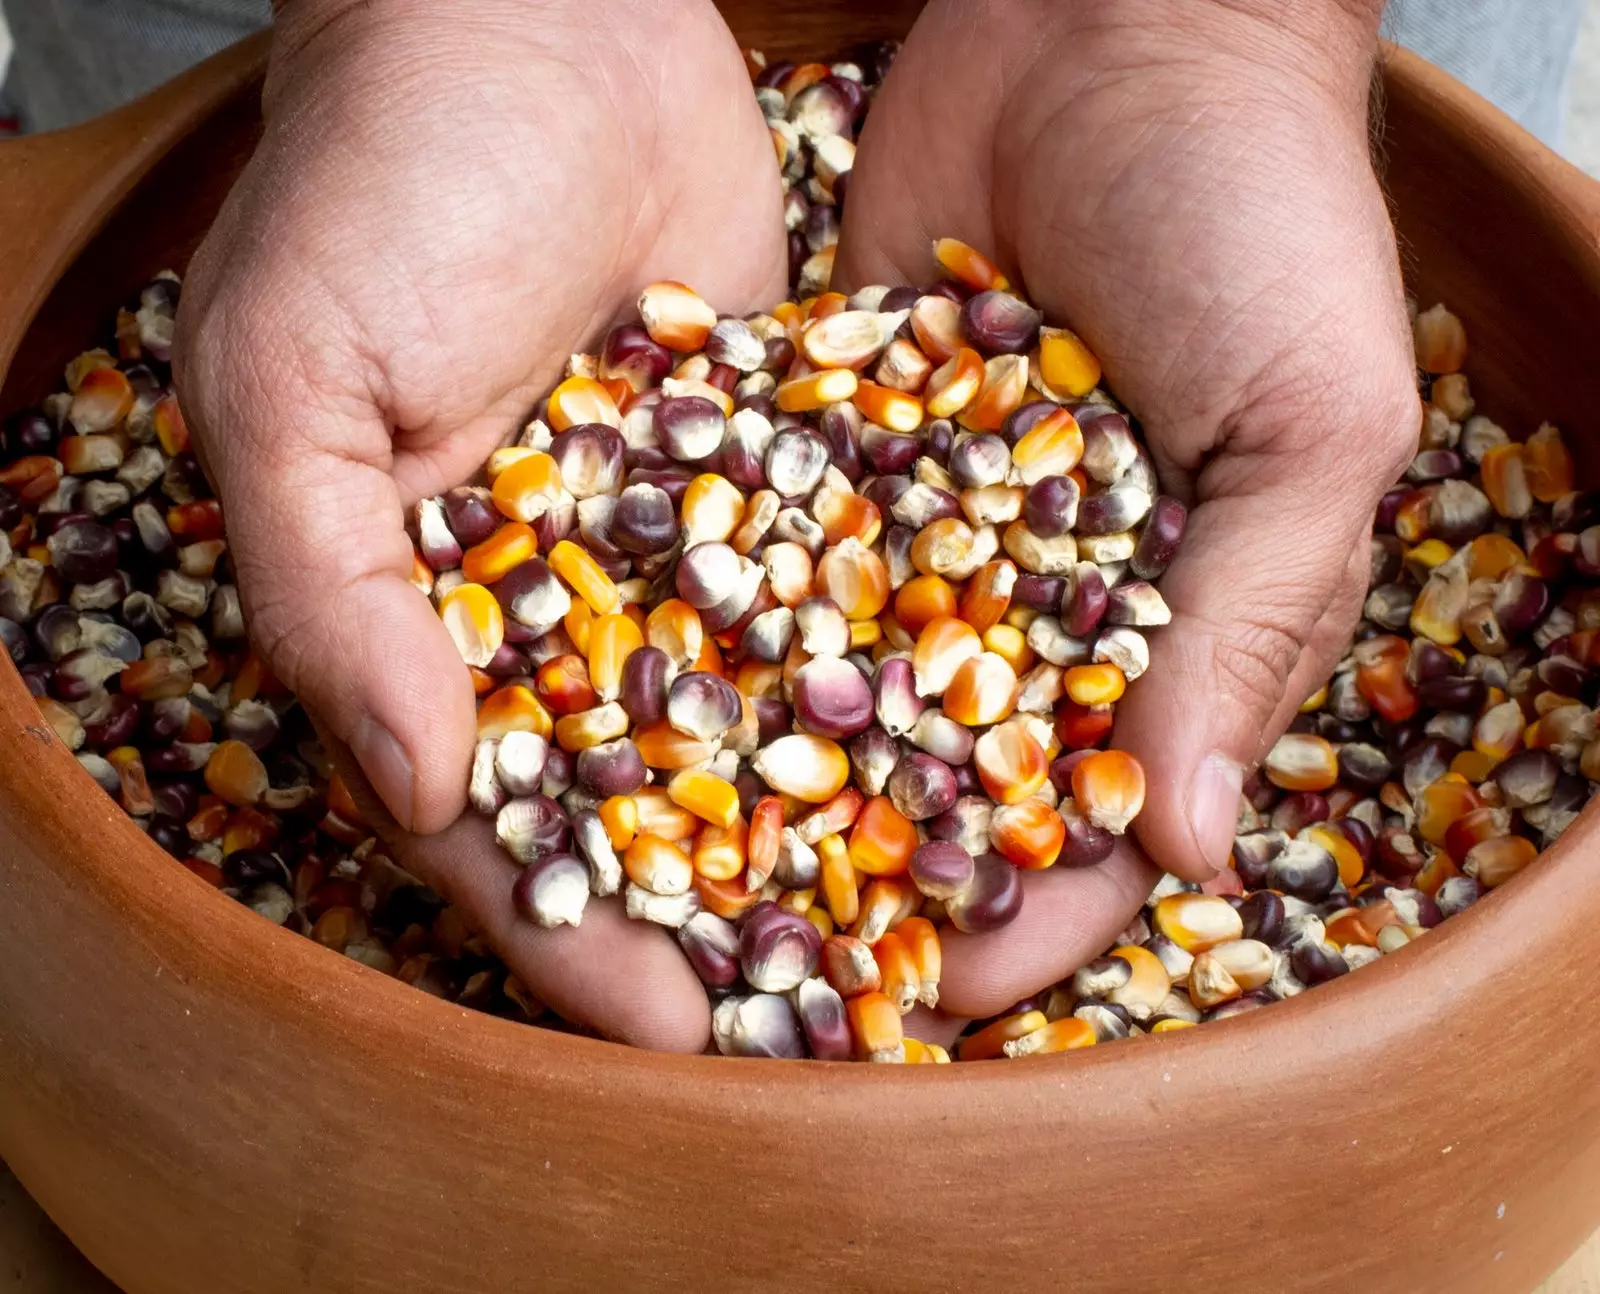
983 689
579 622
712 509
864 633
676 316
583 573
513 708
529 487
510 546
838 880
612 639
954 384
816 390
810 768
819 917
504 457
579 400
1196 922
1094 684
577 732
706 795
855 578
620 817
720 851
1011 645
473 619
1066 364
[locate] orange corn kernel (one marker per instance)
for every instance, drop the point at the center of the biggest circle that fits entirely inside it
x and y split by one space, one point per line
1505 481
1053 446
612 639
1473 765
989 1042
1302 761
838 880
1029 834
987 595
473 619
884 902
675 628
896 410
136 797
1381 677
235 773
759 679
248 829
676 316
1361 925
578 621
663 746
1442 803
562 684
764 837
619 815
968 265
1094 684
728 899
577 732
983 690
208 823
421 576
845 515
705 795
875 1025
942 647
954 384
855 578
1411 518
505 457
1494 862
719 852
579 400
712 510
1081 727
658 865
1066 1034
1548 465
1012 765
584 575
922 600
804 76
921 937
882 840
1348 858
514 708
918 1052
832 818
1491 556
936 324
1435 872
659 816
818 390
1066 364
1108 786
499 554
897 971
942 546
1005 383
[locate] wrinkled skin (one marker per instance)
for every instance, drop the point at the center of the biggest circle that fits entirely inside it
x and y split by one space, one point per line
443 205
1188 185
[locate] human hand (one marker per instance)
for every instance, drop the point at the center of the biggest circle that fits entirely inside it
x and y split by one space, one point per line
444 201
1187 184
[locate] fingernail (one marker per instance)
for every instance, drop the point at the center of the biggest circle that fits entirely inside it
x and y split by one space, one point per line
1214 807
387 766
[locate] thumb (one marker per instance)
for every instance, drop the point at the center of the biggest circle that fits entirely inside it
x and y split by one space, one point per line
1264 590
316 534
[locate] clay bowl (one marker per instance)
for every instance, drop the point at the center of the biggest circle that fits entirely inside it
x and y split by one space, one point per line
204 1102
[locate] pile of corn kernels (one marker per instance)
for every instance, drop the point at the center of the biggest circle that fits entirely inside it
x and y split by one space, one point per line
766 576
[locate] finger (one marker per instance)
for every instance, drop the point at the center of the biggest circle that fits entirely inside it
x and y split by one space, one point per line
317 536
933 1026
1069 916
1262 568
1330 639
626 979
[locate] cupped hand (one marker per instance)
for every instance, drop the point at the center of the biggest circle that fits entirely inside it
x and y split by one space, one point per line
1187 184
445 200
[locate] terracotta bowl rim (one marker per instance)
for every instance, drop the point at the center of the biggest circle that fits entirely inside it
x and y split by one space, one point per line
273 971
